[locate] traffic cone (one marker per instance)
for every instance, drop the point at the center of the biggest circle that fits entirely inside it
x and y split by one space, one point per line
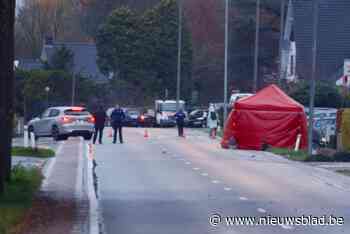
146 135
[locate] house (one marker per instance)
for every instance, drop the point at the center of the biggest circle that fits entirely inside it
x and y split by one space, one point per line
84 62
333 38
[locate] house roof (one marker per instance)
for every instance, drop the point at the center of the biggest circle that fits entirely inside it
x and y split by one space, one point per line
333 36
85 55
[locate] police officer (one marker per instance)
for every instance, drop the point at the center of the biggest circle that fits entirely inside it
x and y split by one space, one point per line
180 121
117 118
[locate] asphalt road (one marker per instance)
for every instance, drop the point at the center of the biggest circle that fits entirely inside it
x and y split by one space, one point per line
167 185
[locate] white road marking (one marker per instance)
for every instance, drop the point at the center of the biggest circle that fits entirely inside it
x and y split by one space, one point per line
93 203
227 189
195 168
204 174
51 163
188 163
243 198
79 179
261 210
287 227
215 181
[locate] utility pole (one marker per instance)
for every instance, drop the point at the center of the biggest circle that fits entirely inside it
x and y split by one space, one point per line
178 86
73 89
256 54
7 20
313 75
281 41
226 62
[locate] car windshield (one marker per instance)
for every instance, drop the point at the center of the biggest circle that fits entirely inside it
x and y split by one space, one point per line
171 107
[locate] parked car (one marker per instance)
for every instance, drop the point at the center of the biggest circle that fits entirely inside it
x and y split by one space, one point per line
131 118
63 122
198 118
146 120
135 118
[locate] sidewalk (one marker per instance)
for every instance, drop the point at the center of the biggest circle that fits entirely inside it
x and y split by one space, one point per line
62 205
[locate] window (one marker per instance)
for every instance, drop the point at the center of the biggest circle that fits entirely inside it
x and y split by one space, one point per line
45 114
54 113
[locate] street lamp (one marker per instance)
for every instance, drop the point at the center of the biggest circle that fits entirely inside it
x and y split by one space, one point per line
47 90
226 62
313 73
178 86
256 53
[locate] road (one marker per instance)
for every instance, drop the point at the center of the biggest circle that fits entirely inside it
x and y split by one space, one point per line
167 185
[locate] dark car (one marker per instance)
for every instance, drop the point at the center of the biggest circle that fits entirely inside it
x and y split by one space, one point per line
197 118
134 118
146 120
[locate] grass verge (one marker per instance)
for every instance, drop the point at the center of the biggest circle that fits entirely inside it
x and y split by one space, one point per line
303 156
290 154
18 197
30 152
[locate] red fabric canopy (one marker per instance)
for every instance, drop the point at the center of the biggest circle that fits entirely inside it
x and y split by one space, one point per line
269 117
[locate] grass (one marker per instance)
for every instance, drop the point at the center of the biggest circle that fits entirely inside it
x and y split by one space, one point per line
30 152
345 172
303 156
291 154
18 197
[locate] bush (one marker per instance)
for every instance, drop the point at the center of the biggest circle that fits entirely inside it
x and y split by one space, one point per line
18 195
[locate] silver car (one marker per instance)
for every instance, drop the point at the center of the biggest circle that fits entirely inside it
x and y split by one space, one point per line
63 122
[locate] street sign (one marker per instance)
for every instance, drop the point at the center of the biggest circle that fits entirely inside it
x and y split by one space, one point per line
347 67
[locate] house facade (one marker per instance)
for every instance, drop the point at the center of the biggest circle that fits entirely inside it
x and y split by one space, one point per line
333 38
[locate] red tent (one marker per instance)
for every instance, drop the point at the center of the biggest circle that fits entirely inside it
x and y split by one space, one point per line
269 117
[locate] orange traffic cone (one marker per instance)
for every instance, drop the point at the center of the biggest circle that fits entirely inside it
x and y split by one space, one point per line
146 135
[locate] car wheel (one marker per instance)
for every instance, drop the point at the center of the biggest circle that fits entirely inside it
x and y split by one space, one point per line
87 136
56 133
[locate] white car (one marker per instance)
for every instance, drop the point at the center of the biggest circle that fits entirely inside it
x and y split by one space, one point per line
235 97
63 122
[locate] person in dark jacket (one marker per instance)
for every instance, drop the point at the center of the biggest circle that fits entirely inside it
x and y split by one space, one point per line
117 118
100 120
180 121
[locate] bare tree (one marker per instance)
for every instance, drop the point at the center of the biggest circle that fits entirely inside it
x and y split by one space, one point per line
37 19
7 19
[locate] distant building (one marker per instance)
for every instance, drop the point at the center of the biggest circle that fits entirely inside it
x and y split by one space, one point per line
333 39
85 55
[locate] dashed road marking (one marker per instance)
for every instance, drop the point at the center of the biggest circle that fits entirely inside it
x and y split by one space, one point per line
261 210
188 163
215 181
227 189
195 168
243 198
204 174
